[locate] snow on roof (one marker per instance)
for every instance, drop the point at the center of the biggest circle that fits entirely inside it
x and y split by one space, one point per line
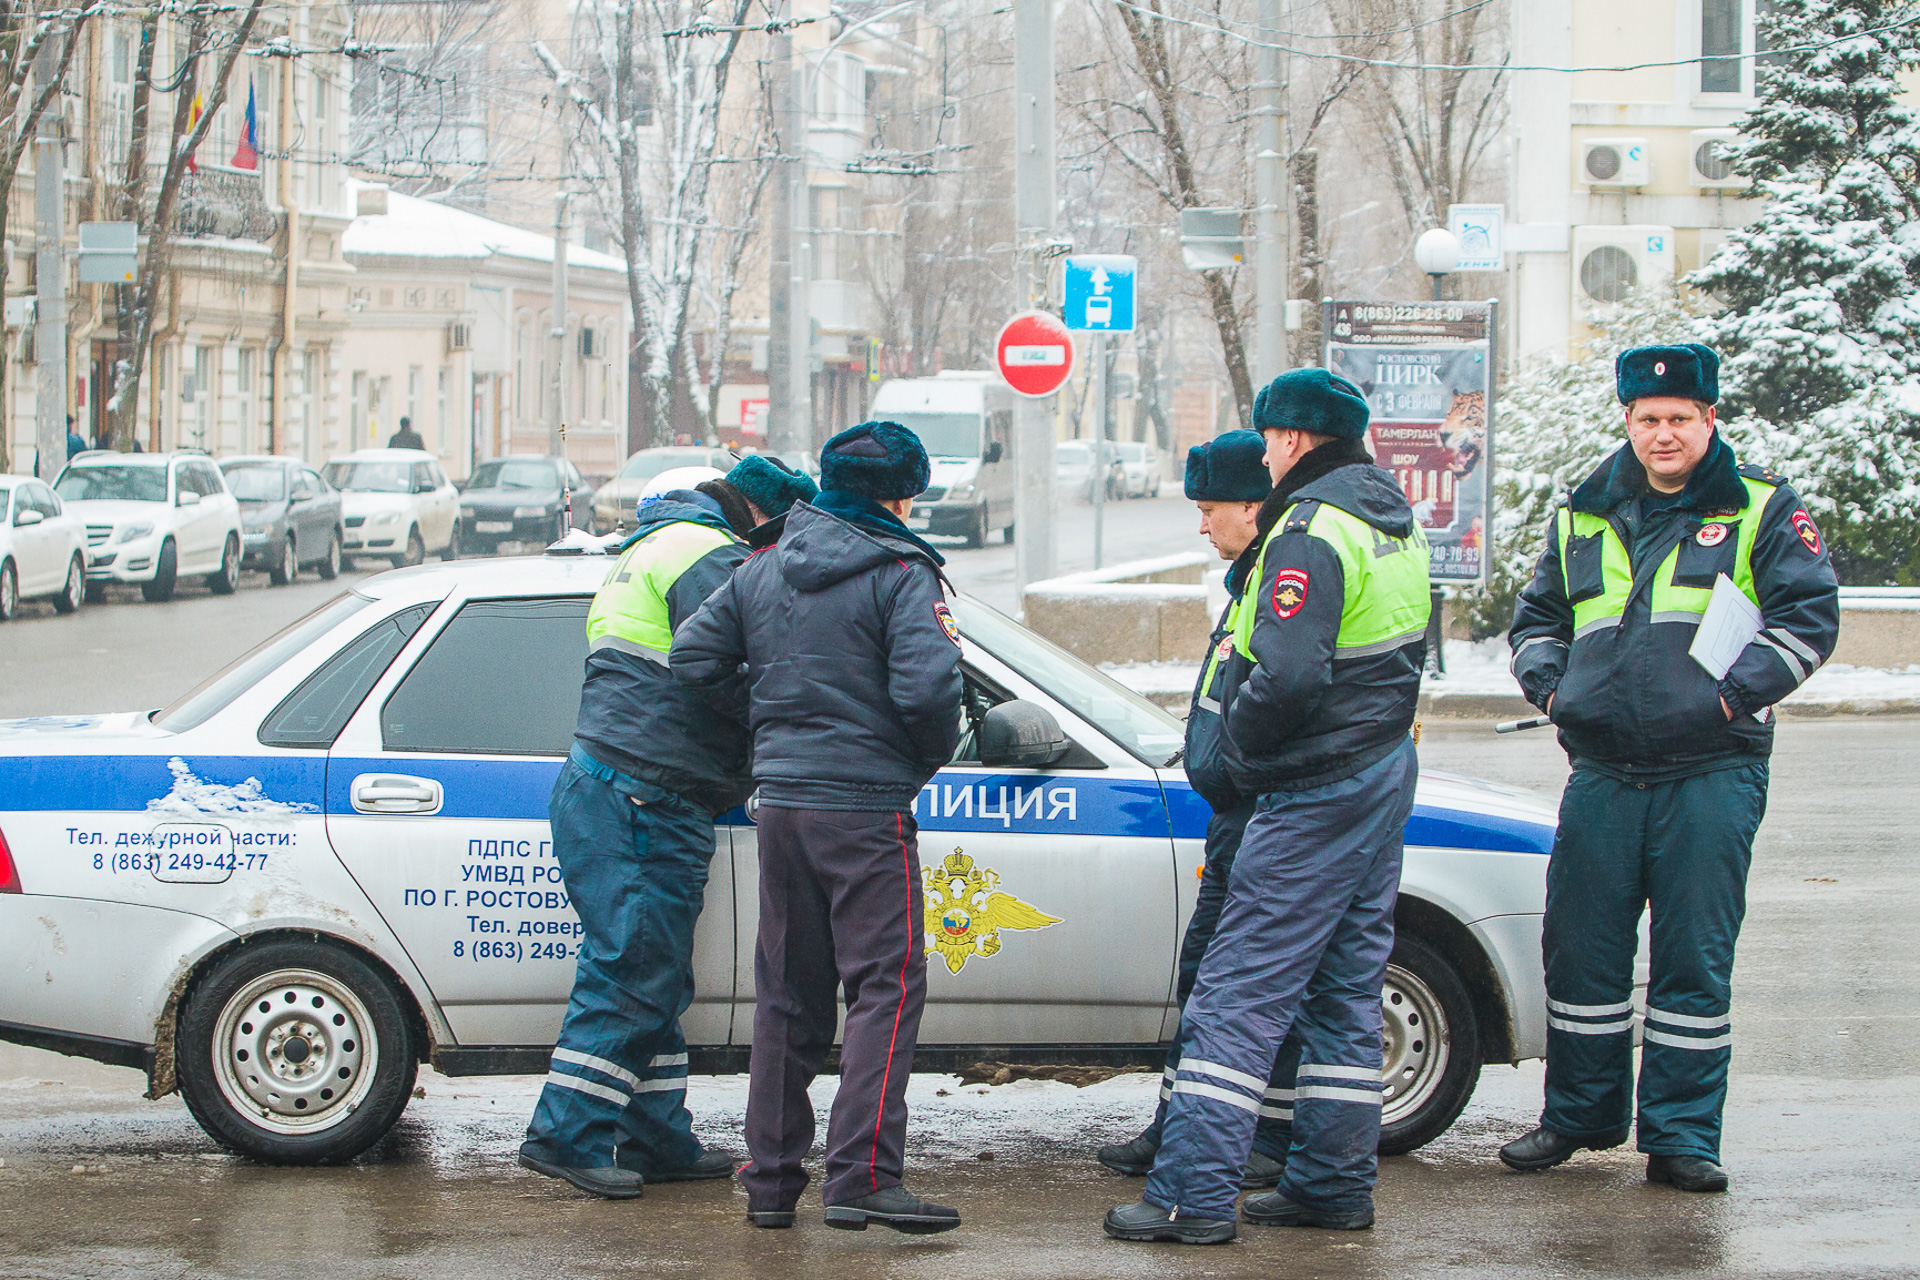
416 228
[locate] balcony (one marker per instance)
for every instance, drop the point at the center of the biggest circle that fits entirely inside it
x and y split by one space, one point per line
219 201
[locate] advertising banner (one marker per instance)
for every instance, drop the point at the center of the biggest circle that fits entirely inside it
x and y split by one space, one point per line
1426 369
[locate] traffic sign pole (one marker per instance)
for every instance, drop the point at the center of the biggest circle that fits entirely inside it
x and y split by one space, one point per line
1099 376
1035 210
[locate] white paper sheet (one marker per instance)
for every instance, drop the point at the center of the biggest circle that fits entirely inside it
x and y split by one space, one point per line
1726 629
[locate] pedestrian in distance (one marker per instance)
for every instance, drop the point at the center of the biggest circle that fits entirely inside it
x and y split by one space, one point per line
1669 759
1317 696
75 445
853 669
1227 479
406 437
652 764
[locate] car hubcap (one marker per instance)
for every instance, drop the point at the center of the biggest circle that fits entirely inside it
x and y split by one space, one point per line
75 588
8 594
292 1052
1414 1029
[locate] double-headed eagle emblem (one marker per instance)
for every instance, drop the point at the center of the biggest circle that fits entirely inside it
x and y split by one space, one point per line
966 911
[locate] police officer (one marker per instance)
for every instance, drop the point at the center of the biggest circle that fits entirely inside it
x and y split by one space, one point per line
1317 700
769 488
632 812
1669 762
854 669
1227 479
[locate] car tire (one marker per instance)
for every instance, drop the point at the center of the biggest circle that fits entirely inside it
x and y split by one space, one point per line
9 591
74 593
289 567
1006 534
452 550
1432 1047
243 1022
977 528
416 550
329 566
166 575
224 580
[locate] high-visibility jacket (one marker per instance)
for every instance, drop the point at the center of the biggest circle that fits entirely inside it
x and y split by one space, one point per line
1605 627
634 716
1319 674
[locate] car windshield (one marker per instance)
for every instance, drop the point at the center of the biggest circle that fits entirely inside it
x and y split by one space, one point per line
1123 715
512 475
649 463
213 694
111 482
371 477
255 481
944 435
5 493
1131 450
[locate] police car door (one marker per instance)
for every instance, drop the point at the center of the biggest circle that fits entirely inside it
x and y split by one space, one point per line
1050 892
437 802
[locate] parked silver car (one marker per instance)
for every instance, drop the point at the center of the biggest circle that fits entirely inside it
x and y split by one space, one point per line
289 517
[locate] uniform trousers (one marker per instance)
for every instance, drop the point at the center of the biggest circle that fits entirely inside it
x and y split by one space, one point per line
1302 946
1273 1134
1681 848
842 906
635 860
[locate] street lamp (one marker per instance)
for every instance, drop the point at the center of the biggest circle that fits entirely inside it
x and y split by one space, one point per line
1438 253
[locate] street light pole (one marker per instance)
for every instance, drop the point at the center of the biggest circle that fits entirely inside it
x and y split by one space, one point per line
1034 213
1269 178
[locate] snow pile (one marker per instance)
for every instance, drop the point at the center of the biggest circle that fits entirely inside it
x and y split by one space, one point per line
195 795
417 228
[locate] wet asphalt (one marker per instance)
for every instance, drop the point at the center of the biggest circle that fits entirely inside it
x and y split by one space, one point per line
1822 1138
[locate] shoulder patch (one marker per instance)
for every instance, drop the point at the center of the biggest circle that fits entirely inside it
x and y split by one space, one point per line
945 617
1289 592
1803 525
1300 515
1767 475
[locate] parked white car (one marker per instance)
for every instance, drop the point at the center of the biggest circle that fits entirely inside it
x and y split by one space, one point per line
396 503
153 518
43 549
1139 467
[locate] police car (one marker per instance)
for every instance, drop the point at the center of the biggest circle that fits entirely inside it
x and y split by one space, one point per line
331 862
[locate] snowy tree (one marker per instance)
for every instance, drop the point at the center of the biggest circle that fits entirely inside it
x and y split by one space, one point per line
1821 331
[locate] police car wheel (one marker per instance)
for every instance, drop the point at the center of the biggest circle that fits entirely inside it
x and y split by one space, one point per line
295 1053
9 591
1432 1044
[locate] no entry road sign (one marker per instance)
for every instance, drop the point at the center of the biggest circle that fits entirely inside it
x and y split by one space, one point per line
1035 353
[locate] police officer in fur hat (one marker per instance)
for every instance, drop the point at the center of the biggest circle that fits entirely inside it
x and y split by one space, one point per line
853 665
1317 696
1669 759
1227 479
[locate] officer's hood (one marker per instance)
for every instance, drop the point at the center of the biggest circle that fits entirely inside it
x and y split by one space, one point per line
821 547
679 506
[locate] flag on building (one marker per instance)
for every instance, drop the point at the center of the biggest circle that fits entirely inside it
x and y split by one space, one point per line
193 121
247 154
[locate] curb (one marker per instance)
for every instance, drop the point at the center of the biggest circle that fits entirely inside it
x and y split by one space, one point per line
1493 706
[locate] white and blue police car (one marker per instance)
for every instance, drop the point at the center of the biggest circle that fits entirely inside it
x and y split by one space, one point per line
331 862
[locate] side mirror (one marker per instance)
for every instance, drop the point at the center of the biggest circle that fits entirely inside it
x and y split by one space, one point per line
994 452
1021 735
27 517
186 498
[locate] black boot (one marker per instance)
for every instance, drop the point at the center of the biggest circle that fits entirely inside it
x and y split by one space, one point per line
709 1164
1687 1173
1543 1148
1261 1172
1275 1210
1148 1221
894 1207
773 1219
1135 1159
609 1183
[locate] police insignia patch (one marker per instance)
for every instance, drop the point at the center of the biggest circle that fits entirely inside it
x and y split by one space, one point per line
1289 592
1803 525
1224 649
1711 535
947 624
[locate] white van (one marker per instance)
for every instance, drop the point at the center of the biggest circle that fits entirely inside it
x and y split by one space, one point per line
965 420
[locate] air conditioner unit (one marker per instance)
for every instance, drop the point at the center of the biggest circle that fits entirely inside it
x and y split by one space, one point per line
1707 162
589 343
1615 162
459 336
1611 262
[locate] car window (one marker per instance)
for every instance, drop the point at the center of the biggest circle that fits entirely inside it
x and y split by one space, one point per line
301 485
210 477
573 477
314 714
43 500
1123 715
649 463
213 694
515 474
113 482
436 475
256 481
4 496
503 678
316 482
369 477
422 478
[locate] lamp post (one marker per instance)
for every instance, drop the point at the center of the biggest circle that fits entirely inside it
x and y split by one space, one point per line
1438 253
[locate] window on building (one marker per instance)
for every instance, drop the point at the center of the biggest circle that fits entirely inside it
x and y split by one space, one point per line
440 410
413 393
357 410
243 397
1721 23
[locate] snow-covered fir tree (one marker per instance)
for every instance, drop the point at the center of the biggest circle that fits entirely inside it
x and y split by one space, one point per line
1821 331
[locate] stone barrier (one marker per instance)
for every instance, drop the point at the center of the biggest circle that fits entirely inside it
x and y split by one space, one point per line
1141 611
